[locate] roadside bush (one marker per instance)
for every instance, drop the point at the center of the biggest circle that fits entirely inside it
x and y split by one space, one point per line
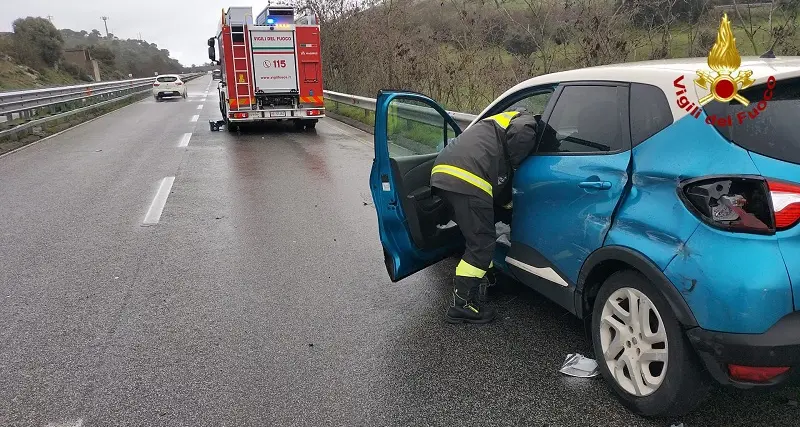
75 71
37 42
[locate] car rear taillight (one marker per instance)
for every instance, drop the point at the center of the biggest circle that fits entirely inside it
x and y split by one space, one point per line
155 84
785 202
732 203
179 83
756 374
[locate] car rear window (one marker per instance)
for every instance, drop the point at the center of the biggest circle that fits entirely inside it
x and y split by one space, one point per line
773 132
650 112
167 79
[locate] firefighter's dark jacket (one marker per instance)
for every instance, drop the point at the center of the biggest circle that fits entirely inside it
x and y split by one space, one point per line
482 159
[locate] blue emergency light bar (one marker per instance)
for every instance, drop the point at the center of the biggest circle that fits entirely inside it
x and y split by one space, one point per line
276 16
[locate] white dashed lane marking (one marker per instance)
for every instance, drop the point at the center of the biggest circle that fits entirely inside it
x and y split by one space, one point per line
157 207
195 117
200 107
185 140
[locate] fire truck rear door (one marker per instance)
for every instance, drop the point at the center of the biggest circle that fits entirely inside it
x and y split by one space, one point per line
274 65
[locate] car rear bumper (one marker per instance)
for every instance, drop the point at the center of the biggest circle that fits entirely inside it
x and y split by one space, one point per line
168 93
273 115
777 347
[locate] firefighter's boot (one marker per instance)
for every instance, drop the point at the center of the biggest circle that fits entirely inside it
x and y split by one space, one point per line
488 281
464 308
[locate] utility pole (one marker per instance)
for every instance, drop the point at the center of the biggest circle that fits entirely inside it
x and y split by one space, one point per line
105 22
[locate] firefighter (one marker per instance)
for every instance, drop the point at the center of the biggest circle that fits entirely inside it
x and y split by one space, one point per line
473 174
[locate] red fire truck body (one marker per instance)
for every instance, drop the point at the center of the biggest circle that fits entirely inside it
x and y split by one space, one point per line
271 68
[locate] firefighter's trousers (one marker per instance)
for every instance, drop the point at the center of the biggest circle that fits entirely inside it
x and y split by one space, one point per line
475 219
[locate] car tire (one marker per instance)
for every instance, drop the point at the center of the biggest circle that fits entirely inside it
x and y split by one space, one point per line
673 388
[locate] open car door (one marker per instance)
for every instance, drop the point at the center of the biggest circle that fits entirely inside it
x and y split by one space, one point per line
413 222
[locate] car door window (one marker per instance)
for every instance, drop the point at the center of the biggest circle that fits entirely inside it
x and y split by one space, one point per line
533 103
585 119
414 127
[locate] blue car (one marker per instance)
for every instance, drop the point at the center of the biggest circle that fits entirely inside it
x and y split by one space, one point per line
660 206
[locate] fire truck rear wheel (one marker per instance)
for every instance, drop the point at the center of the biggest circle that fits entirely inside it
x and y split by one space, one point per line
311 124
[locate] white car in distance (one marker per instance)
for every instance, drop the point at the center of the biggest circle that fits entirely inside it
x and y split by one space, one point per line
168 85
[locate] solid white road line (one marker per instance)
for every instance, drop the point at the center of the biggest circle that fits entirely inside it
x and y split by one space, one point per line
195 117
200 107
154 213
204 99
185 140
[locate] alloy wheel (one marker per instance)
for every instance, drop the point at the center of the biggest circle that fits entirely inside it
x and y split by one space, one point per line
633 339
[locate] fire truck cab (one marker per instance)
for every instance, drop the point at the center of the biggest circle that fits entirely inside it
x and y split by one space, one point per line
271 67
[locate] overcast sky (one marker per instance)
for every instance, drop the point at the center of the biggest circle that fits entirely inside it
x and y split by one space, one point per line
182 27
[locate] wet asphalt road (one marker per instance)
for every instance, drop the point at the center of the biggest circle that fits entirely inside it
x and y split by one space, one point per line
260 298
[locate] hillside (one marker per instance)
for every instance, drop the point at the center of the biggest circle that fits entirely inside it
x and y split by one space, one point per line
34 56
118 58
464 53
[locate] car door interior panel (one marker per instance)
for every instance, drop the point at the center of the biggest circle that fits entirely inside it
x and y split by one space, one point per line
425 210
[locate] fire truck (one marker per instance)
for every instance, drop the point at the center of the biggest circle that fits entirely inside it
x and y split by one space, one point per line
271 68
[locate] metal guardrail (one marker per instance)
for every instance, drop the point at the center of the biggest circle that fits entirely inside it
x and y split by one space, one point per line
407 111
64 101
23 104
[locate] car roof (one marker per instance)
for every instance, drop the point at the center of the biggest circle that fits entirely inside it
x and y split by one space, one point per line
662 73
169 75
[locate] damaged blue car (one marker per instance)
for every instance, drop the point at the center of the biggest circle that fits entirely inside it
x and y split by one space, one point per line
660 205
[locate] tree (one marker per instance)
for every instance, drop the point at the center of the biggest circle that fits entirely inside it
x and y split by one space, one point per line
38 43
103 54
94 36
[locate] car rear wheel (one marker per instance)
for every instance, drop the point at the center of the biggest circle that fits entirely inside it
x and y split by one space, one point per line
642 351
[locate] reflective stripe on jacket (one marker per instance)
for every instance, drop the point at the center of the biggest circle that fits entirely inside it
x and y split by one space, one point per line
476 162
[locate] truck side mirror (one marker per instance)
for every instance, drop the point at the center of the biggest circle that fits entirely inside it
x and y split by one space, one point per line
212 54
211 42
